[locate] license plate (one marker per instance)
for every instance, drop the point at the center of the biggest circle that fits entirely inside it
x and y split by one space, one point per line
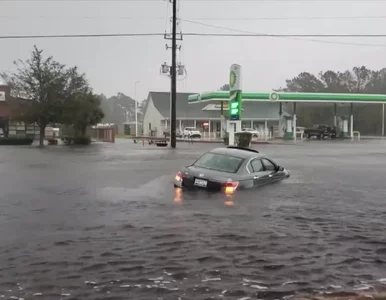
200 182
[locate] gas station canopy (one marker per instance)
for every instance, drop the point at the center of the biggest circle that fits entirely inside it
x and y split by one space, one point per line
290 97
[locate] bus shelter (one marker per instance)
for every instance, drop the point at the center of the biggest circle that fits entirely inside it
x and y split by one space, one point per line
294 98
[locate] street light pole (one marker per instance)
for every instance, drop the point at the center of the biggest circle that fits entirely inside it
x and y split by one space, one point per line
136 108
173 120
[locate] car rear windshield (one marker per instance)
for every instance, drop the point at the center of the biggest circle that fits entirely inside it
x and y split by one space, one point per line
219 162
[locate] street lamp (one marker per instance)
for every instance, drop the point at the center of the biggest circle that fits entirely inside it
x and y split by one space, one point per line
136 108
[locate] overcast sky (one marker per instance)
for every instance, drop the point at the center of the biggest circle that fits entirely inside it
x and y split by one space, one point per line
114 64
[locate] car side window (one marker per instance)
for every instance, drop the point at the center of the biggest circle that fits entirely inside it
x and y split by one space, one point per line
268 165
256 166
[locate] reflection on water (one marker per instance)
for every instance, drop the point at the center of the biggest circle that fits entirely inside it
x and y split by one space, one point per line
177 196
229 203
229 200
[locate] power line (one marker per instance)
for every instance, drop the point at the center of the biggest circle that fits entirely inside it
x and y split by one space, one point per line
90 35
80 35
196 34
205 1
292 36
201 18
289 18
286 35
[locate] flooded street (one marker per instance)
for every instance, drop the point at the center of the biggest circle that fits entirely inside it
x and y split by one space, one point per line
105 222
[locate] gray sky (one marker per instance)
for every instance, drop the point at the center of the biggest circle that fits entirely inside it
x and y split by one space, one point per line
113 64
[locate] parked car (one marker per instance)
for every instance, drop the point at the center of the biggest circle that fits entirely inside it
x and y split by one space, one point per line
192 132
320 131
167 133
254 132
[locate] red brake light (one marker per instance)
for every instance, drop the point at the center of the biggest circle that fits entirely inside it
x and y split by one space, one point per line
179 176
230 187
231 184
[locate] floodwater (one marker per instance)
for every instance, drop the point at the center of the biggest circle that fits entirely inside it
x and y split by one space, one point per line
104 222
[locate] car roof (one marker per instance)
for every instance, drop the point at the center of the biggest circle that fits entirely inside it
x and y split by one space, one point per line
238 152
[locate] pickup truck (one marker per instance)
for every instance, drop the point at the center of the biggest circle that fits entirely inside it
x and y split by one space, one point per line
320 131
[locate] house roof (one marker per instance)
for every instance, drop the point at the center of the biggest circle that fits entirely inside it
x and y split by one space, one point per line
252 110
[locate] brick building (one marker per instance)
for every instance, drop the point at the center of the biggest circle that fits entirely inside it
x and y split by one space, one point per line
9 108
5 92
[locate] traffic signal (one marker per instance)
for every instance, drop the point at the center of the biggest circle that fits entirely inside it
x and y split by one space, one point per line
235 109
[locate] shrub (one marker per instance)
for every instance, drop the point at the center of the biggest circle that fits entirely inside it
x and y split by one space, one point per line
226 138
76 140
52 142
243 139
16 141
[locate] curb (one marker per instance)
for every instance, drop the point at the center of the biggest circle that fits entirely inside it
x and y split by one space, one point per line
220 142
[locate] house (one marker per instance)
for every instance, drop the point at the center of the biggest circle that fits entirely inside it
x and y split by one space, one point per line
205 116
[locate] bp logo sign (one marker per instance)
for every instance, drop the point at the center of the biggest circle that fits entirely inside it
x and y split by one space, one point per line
235 78
232 79
274 96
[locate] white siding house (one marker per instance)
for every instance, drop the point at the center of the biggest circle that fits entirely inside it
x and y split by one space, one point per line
151 118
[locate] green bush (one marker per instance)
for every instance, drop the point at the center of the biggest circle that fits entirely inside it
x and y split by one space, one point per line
243 139
16 141
226 138
76 140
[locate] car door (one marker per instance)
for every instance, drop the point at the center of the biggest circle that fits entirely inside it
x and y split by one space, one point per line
260 176
273 173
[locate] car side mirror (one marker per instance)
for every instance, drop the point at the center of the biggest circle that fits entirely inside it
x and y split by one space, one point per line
279 168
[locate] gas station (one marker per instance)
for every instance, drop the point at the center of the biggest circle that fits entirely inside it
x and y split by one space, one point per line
235 97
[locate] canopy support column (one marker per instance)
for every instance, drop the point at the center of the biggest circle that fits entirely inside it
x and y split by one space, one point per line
352 120
383 119
222 129
294 122
280 130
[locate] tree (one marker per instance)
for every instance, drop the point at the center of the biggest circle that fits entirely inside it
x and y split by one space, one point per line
82 111
358 80
48 84
225 87
304 82
118 108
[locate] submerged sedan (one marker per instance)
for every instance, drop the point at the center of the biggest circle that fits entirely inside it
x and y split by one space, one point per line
228 169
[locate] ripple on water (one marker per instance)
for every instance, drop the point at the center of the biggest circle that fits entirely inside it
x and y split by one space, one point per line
134 243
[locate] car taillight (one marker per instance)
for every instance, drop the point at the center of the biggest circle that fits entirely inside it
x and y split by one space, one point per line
230 187
179 176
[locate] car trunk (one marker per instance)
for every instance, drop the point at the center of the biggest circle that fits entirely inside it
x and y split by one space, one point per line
201 178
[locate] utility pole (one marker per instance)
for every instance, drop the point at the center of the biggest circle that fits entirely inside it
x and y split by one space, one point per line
173 120
176 69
